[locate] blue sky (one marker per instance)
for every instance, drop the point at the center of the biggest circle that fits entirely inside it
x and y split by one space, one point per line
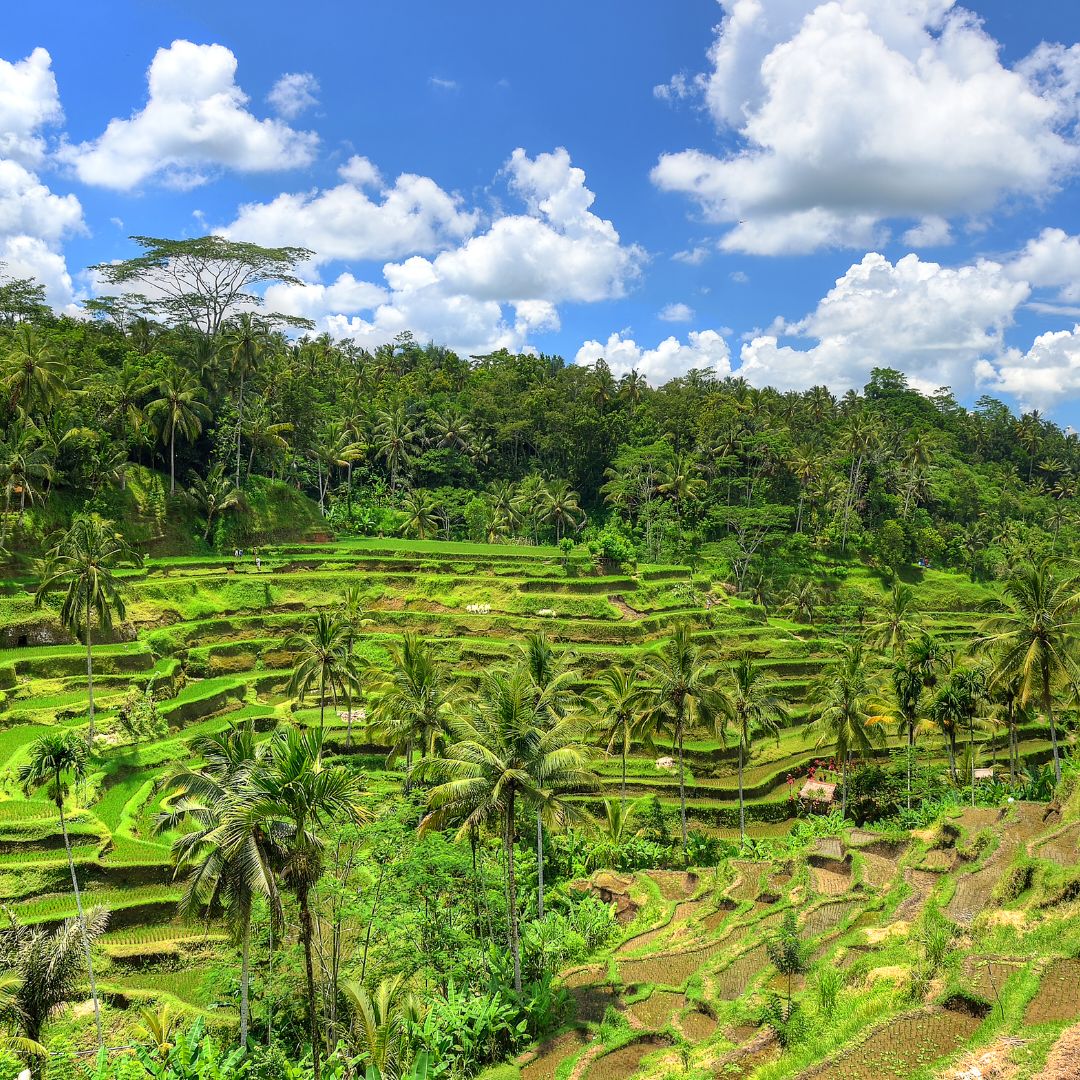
789 189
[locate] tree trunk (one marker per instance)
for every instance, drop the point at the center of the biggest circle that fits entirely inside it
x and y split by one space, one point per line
1048 707
742 807
82 917
309 971
950 745
511 891
910 748
239 424
89 675
843 786
245 974
971 754
623 796
172 461
539 864
682 796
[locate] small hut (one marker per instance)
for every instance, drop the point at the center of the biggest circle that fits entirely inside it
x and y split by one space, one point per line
818 791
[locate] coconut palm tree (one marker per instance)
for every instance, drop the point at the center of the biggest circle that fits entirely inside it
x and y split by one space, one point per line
229 856
560 507
907 688
682 695
896 622
245 342
1034 635
416 701
845 715
179 409
619 703
323 660
83 565
355 618
395 437
504 749
421 511
947 711
746 705
214 494
33 374
26 467
54 757
9 1010
294 795
44 968
262 433
970 684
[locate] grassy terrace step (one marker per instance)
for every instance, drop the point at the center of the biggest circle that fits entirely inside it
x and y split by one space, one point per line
59 906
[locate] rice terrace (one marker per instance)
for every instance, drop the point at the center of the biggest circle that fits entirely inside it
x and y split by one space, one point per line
540 543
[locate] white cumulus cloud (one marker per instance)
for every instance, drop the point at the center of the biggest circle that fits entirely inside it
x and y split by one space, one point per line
493 289
1040 378
704 349
676 313
194 122
1051 259
29 100
851 113
938 324
346 222
294 93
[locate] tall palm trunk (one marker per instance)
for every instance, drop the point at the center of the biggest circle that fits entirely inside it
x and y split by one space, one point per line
89 671
950 746
971 755
910 750
239 425
82 917
539 864
172 460
623 794
245 973
306 936
742 807
1048 708
511 891
682 794
843 786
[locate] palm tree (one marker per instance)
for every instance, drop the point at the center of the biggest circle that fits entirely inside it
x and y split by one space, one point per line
52 757
215 494
324 659
179 409
505 749
844 716
421 510
892 630
746 704
683 695
246 341
9 1010
416 701
33 375
293 795
947 711
1006 695
802 601
1035 634
83 565
44 968
380 1022
263 433
970 686
619 702
355 618
561 507
25 463
395 438
907 687
230 856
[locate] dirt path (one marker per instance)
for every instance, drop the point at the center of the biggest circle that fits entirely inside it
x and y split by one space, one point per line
627 611
1061 1064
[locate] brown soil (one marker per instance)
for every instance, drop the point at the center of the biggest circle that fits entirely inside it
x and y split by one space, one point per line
1062 1062
922 883
742 1062
585 976
992 1063
697 1026
731 983
984 973
627 611
714 920
898 1049
666 969
1058 998
591 1002
746 884
612 889
624 1062
552 1053
829 847
674 884
1061 848
832 878
824 918
657 1010
861 837
940 859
